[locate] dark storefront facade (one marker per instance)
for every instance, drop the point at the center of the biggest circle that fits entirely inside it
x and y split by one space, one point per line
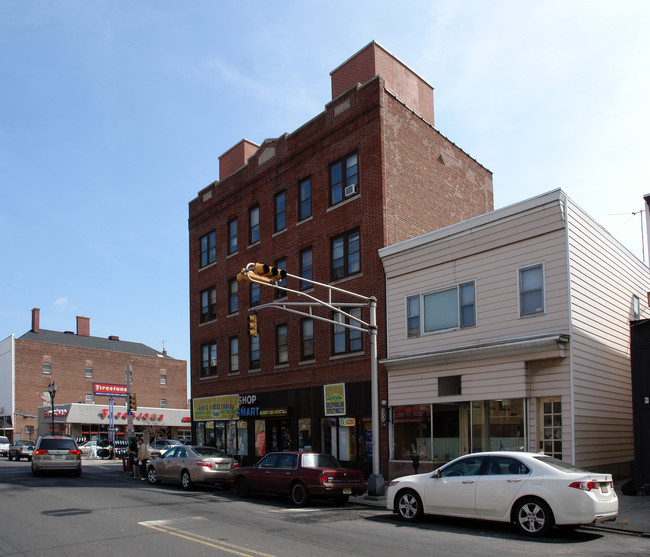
334 419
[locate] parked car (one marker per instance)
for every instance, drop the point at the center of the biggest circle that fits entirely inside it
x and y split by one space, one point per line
89 449
56 452
23 448
159 446
188 465
4 445
301 476
532 491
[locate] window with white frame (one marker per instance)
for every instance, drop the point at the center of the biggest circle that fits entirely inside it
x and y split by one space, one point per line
209 359
531 290
163 403
234 354
451 308
636 307
208 248
163 379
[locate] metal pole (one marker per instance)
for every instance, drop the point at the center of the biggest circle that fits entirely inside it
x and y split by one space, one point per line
376 480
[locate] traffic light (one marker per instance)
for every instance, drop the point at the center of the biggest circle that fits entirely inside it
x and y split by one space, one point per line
252 325
133 405
260 272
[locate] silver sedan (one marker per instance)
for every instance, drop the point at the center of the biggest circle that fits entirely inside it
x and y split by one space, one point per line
189 465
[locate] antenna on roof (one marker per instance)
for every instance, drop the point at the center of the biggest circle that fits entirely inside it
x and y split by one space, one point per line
632 215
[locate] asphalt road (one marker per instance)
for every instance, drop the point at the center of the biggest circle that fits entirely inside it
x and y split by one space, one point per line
105 512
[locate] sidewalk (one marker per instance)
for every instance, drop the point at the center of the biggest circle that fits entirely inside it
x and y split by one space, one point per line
633 511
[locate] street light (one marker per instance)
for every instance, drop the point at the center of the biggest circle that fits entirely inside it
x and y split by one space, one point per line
52 390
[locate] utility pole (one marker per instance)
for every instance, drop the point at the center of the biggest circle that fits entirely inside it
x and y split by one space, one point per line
129 412
266 275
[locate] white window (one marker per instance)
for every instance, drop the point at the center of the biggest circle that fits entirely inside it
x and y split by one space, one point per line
90 399
163 403
450 308
531 290
636 307
163 379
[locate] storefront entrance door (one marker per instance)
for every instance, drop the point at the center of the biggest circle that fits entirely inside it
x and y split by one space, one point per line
278 435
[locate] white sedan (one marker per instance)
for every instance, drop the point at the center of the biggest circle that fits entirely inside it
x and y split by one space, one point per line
533 491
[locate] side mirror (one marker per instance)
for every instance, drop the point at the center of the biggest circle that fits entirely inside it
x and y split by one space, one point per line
436 473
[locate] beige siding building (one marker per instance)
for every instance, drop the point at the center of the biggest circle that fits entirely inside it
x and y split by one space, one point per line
511 331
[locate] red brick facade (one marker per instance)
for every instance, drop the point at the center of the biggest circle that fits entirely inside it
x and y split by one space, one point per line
411 180
68 365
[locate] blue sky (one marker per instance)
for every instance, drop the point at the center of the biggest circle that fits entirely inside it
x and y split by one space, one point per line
113 116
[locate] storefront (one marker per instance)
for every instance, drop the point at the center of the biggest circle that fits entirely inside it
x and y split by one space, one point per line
334 419
86 422
438 433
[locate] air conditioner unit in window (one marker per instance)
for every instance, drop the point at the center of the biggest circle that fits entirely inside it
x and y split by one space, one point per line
352 189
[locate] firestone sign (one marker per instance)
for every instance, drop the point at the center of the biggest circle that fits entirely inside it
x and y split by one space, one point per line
141 416
107 389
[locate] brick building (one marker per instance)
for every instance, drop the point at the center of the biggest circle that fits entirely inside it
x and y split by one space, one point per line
77 362
369 171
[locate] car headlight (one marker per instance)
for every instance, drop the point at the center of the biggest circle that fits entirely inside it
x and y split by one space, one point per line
394 482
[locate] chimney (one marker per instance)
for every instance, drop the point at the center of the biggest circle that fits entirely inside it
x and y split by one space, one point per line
165 352
399 79
83 326
36 320
236 157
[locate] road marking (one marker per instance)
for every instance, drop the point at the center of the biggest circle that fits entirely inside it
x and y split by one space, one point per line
164 527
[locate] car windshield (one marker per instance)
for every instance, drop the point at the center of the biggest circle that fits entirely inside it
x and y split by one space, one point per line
320 461
559 464
24 443
57 444
209 451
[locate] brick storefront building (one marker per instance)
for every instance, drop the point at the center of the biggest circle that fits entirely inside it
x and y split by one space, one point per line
369 171
76 362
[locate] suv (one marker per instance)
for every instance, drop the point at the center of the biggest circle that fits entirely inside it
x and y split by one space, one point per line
160 446
4 445
56 452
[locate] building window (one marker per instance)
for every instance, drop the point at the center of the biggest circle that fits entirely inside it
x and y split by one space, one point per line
346 255
446 309
254 219
234 354
255 352
255 294
90 399
47 368
280 211
636 307
413 316
412 432
346 339
232 236
208 304
163 403
233 298
344 179
163 379
281 264
531 290
306 268
209 359
307 339
282 344
304 209
89 371
208 249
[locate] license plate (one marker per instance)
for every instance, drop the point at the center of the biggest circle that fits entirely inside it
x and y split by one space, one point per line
347 491
57 456
604 488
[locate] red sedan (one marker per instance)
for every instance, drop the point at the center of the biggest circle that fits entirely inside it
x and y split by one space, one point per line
301 476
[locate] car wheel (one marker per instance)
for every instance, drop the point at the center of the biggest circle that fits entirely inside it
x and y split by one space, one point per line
409 505
242 487
9 456
152 478
533 517
341 499
34 472
299 494
186 481
77 473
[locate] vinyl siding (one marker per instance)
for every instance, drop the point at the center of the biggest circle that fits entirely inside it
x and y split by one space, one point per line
604 277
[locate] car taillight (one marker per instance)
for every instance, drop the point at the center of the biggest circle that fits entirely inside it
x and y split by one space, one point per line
324 478
41 451
74 451
588 486
205 463
235 464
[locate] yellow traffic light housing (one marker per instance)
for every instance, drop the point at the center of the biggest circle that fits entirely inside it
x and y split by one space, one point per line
133 404
261 272
252 325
